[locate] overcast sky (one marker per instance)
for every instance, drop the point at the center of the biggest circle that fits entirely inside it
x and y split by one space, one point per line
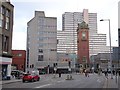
24 11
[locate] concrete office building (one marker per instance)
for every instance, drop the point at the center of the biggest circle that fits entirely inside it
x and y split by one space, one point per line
68 36
41 41
6 29
119 32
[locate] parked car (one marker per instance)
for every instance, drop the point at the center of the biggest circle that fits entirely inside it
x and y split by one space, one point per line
17 74
30 77
42 72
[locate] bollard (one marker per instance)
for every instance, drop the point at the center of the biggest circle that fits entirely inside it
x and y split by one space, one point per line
68 77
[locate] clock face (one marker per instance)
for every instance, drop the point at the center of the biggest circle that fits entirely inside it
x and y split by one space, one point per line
83 34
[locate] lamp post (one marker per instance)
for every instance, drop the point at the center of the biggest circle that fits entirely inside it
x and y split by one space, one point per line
110 45
48 67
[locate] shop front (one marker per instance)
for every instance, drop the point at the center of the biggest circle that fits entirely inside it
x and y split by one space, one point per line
5 67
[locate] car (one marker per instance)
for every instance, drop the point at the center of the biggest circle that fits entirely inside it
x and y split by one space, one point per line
17 74
42 72
30 77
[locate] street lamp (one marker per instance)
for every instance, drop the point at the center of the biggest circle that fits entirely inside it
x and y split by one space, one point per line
110 45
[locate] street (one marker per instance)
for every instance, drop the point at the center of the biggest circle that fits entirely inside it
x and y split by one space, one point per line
48 81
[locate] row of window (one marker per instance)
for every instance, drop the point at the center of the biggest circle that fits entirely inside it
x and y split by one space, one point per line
46 38
19 54
42 32
46 26
4 18
41 50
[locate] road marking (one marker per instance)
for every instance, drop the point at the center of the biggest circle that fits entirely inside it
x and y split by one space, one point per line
99 81
43 85
61 81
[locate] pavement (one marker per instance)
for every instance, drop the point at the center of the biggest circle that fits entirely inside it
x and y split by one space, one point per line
109 83
10 81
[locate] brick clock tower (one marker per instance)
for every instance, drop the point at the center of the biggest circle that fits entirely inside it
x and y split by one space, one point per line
83 44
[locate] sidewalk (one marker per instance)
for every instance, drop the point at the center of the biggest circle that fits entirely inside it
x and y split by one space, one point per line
110 83
10 81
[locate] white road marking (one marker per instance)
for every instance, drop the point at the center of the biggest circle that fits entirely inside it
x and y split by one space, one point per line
43 85
61 81
99 81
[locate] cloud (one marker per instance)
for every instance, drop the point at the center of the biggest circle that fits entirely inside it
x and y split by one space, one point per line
19 41
24 11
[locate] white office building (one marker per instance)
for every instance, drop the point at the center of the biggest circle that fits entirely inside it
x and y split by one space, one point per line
41 41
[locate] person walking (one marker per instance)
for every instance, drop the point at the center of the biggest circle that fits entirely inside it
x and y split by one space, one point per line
59 74
86 73
106 73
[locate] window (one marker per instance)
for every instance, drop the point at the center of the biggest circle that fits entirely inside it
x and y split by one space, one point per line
40 57
5 41
40 45
0 23
84 59
7 23
7 13
40 39
53 50
2 10
1 20
19 55
40 51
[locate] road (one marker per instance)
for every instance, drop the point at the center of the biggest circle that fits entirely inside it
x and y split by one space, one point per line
79 81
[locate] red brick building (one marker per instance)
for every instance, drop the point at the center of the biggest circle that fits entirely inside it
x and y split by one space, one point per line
19 59
83 44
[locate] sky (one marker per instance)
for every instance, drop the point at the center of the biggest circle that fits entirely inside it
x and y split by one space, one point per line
24 12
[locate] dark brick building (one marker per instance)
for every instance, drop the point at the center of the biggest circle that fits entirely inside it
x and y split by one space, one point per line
19 59
6 29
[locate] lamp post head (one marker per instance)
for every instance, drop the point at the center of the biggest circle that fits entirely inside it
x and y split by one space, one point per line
105 20
101 20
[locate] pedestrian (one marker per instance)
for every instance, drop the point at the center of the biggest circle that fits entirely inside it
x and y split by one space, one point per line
86 74
59 74
119 72
106 74
113 72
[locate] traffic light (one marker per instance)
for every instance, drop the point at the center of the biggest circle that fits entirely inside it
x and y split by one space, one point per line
54 64
48 66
